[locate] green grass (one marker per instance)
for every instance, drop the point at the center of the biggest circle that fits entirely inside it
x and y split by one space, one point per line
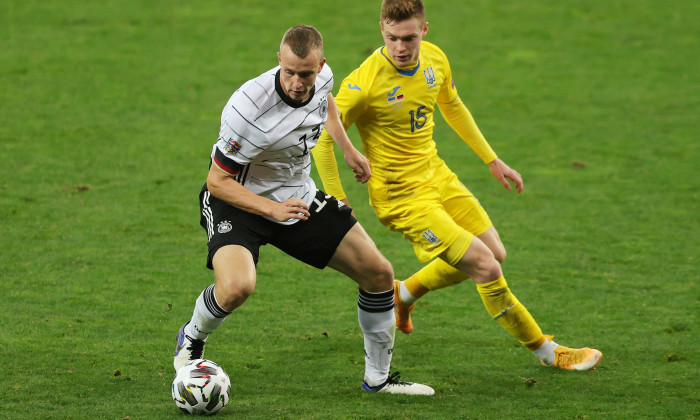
107 115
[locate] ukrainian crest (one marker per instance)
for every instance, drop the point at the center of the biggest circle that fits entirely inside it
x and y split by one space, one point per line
431 237
232 146
394 97
429 75
323 108
224 227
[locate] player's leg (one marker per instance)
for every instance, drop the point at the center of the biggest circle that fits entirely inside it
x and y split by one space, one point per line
481 265
234 272
435 275
358 258
331 237
438 274
233 253
492 240
466 213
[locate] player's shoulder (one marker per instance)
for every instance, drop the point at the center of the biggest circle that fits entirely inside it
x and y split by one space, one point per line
367 72
257 89
432 50
324 79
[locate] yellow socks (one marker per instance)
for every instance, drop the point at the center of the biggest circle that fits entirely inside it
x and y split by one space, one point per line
500 303
505 308
436 275
439 274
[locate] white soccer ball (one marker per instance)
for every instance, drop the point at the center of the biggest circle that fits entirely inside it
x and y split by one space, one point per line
201 387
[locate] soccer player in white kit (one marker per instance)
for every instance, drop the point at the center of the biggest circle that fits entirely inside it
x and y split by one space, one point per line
259 191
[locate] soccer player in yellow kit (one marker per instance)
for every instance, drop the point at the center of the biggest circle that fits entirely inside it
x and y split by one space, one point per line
391 98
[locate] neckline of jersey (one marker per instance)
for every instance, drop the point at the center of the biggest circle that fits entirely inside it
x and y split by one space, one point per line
287 100
403 72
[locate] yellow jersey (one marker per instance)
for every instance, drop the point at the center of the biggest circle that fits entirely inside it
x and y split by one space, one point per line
393 110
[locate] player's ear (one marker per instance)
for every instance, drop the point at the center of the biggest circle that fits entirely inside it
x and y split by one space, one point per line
323 61
425 28
279 58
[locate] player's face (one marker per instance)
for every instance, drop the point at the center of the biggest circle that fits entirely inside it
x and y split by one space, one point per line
298 75
402 39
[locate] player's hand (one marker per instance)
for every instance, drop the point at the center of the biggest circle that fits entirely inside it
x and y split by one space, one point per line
359 165
292 208
503 173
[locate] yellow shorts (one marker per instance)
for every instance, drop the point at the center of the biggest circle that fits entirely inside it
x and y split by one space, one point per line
440 215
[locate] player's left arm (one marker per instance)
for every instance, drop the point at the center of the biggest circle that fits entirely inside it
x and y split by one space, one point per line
460 119
462 122
353 158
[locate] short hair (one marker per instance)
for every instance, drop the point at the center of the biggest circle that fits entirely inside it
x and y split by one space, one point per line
400 10
302 39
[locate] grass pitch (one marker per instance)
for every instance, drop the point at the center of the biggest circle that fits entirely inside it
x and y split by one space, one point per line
107 115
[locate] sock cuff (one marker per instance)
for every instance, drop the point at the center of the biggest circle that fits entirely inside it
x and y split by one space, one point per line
535 344
493 286
211 303
415 286
376 302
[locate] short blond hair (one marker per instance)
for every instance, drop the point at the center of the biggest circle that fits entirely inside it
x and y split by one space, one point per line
400 10
302 39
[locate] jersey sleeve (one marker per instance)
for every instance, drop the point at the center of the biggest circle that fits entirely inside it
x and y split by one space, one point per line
223 160
239 142
351 102
460 119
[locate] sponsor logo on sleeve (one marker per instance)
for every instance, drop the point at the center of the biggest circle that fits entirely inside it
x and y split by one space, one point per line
232 147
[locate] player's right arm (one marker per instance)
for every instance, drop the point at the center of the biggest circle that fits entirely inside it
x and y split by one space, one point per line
222 185
353 158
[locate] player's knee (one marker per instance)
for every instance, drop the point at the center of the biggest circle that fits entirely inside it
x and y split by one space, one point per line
381 275
233 292
494 270
385 275
486 268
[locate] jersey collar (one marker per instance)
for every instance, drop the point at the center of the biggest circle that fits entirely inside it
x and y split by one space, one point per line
403 72
287 100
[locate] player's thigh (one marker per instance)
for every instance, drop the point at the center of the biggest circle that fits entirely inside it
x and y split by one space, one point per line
358 258
234 267
426 224
227 225
468 212
464 208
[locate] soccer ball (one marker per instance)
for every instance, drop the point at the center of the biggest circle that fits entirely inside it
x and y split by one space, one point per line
201 387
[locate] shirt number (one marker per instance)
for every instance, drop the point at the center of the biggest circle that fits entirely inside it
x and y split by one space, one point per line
418 118
315 134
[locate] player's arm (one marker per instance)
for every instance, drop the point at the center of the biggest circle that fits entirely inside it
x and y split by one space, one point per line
324 159
353 158
460 119
223 186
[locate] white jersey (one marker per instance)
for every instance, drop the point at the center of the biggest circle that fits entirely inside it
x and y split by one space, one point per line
265 137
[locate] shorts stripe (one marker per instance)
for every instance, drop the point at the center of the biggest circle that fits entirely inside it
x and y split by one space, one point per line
206 212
